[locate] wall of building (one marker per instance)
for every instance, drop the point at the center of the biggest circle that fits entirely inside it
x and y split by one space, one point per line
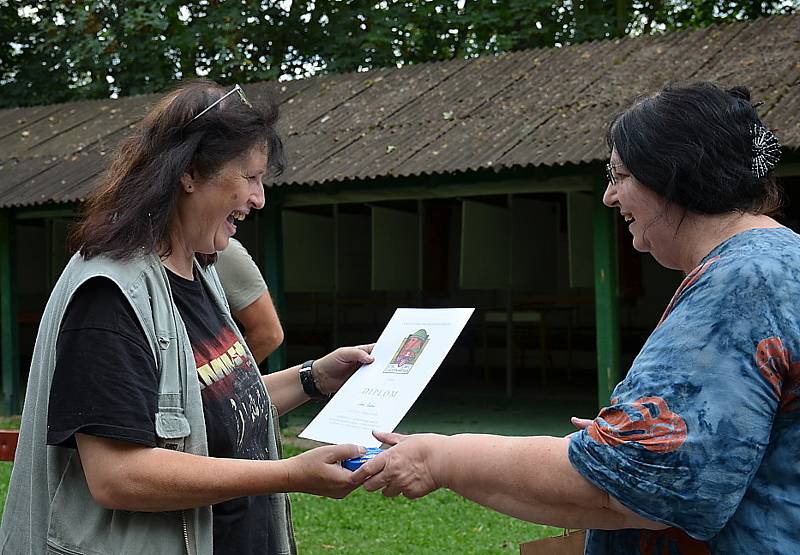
347 269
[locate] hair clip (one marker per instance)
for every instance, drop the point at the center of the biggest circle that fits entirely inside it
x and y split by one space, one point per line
766 150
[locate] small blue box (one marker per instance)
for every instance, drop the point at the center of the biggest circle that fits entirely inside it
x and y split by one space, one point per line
356 462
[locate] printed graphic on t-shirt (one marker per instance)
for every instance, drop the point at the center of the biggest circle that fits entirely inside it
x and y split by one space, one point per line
213 366
233 394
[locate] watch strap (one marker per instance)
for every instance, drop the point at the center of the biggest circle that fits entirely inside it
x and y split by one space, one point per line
309 383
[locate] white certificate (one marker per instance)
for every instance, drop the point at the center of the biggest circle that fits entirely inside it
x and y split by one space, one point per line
378 395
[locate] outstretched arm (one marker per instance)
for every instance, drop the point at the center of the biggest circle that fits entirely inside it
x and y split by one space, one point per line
529 478
133 477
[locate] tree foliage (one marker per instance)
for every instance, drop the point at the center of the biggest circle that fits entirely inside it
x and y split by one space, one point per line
62 50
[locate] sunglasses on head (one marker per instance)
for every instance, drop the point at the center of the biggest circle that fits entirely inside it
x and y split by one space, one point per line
236 89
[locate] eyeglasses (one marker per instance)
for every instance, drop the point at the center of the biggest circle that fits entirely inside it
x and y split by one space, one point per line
236 89
610 172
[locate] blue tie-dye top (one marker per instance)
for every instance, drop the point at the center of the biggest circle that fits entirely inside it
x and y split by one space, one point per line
704 432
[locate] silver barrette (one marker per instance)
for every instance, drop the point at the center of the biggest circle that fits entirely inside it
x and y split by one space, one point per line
766 150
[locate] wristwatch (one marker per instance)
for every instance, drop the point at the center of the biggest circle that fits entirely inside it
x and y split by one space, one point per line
309 383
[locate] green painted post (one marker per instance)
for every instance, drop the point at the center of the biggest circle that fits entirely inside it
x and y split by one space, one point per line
272 255
605 294
9 346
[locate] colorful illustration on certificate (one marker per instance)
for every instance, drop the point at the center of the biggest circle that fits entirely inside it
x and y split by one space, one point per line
407 354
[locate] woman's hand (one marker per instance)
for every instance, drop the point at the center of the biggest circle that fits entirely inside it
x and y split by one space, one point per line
329 373
407 467
332 370
318 471
581 423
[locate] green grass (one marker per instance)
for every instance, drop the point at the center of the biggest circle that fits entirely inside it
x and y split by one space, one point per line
9 422
5 476
368 523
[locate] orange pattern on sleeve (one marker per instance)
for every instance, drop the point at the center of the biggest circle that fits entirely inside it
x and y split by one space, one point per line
774 362
654 426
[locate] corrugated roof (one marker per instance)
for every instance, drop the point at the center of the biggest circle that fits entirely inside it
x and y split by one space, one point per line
542 107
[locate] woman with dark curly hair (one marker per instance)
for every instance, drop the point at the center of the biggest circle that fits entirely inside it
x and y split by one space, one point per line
698 451
147 425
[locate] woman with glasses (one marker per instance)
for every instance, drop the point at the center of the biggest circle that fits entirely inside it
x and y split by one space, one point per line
147 426
698 451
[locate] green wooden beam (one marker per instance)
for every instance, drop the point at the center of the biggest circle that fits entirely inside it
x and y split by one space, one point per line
542 179
9 346
345 194
70 210
272 255
606 305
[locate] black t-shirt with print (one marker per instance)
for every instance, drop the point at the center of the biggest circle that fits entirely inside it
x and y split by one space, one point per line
106 384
